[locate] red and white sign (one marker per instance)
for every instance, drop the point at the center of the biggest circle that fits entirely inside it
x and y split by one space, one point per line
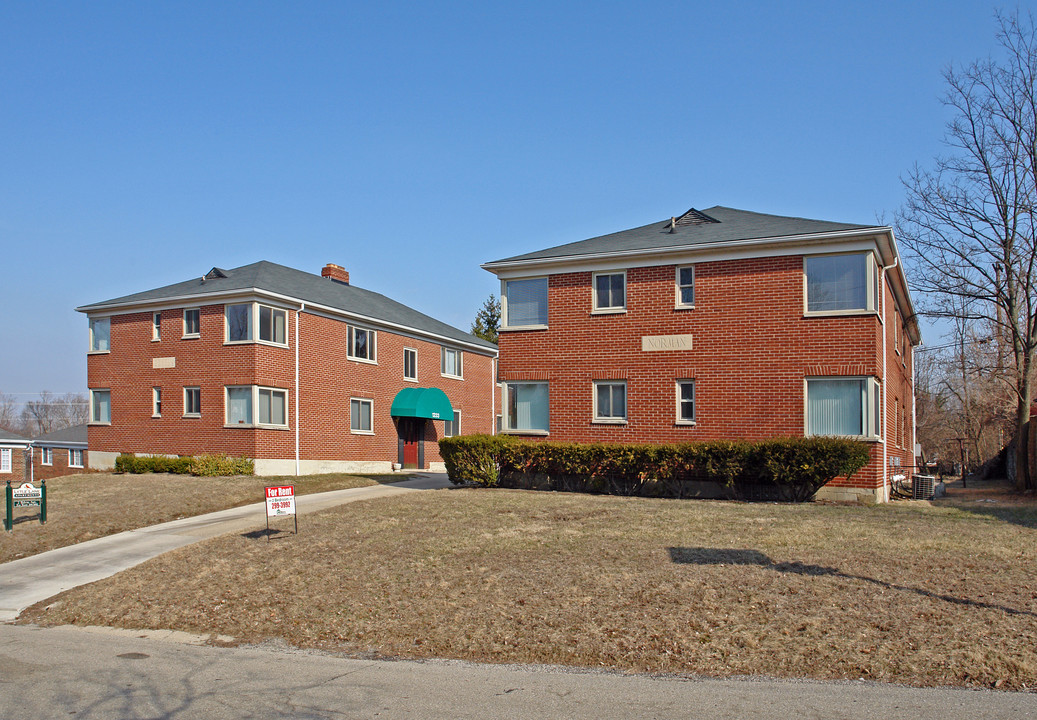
280 500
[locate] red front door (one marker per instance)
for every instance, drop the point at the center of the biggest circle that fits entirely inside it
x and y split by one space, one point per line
411 430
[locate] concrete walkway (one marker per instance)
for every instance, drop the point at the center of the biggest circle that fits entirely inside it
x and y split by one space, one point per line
27 581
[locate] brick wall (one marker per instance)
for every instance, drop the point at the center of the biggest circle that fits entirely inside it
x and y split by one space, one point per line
59 465
327 380
18 474
752 350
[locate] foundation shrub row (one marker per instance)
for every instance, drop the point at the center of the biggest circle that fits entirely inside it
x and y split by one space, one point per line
787 469
201 465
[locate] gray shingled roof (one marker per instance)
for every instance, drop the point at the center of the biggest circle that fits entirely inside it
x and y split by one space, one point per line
299 285
729 225
67 436
10 437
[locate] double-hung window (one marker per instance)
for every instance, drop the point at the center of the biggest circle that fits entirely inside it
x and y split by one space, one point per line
451 366
5 460
410 364
360 416
273 323
841 283
192 323
686 286
610 292
610 401
525 303
192 401
100 334
271 403
156 402
75 458
685 402
46 456
526 407
361 344
846 406
156 326
100 406
243 318
452 427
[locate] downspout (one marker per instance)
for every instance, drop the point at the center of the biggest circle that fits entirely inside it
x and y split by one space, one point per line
298 314
885 384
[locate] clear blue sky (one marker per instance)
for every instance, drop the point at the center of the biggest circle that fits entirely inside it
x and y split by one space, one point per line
144 143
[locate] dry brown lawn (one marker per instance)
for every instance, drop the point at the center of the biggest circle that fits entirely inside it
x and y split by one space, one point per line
912 592
84 507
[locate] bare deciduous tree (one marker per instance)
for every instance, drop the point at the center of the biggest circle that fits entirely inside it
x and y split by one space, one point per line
969 222
10 411
54 412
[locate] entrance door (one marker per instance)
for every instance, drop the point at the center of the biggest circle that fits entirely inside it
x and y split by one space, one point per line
412 432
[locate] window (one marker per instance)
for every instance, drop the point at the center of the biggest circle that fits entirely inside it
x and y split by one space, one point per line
452 363
843 406
46 456
100 406
526 407
361 344
896 331
75 458
156 326
192 401
239 322
685 402
156 402
410 364
839 283
686 286
272 324
192 322
610 291
360 416
5 460
525 303
610 401
272 404
100 334
452 427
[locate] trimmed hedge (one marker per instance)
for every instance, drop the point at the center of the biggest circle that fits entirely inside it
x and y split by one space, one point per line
788 469
202 465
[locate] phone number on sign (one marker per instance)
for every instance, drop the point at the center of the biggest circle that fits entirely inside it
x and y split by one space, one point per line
281 504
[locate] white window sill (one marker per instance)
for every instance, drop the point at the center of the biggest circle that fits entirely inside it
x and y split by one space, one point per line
255 342
683 307
191 416
685 423
154 415
365 361
452 377
156 339
512 431
407 379
256 426
837 313
193 336
519 328
862 438
52 465
608 311
361 432
609 421
76 467
98 352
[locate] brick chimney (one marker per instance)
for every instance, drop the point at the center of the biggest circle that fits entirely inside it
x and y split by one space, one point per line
335 272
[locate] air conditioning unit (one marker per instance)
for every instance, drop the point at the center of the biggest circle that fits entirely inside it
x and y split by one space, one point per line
922 487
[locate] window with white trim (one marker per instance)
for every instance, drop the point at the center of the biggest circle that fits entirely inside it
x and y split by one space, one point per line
451 365
273 325
452 427
610 291
46 456
156 326
526 407
844 406
840 283
192 322
685 402
525 303
5 460
156 402
361 344
100 334
75 458
192 401
242 319
410 364
610 401
272 404
686 286
101 406
360 416
239 322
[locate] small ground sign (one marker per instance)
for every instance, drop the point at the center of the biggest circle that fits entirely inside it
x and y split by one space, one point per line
280 501
25 495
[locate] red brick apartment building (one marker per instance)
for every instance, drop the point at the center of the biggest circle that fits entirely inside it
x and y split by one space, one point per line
15 462
718 324
60 452
302 373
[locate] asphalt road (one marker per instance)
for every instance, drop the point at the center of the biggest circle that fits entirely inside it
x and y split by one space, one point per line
99 673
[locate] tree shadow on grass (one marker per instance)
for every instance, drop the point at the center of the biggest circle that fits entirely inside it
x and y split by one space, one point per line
734 556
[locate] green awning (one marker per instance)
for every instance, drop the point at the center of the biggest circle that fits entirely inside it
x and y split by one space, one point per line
431 403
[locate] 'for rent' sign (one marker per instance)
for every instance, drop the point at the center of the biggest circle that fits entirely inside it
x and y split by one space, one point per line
280 501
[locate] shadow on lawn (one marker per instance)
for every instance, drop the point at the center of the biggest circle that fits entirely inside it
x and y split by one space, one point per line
732 556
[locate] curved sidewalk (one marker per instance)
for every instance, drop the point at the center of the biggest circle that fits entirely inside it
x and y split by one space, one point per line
29 580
